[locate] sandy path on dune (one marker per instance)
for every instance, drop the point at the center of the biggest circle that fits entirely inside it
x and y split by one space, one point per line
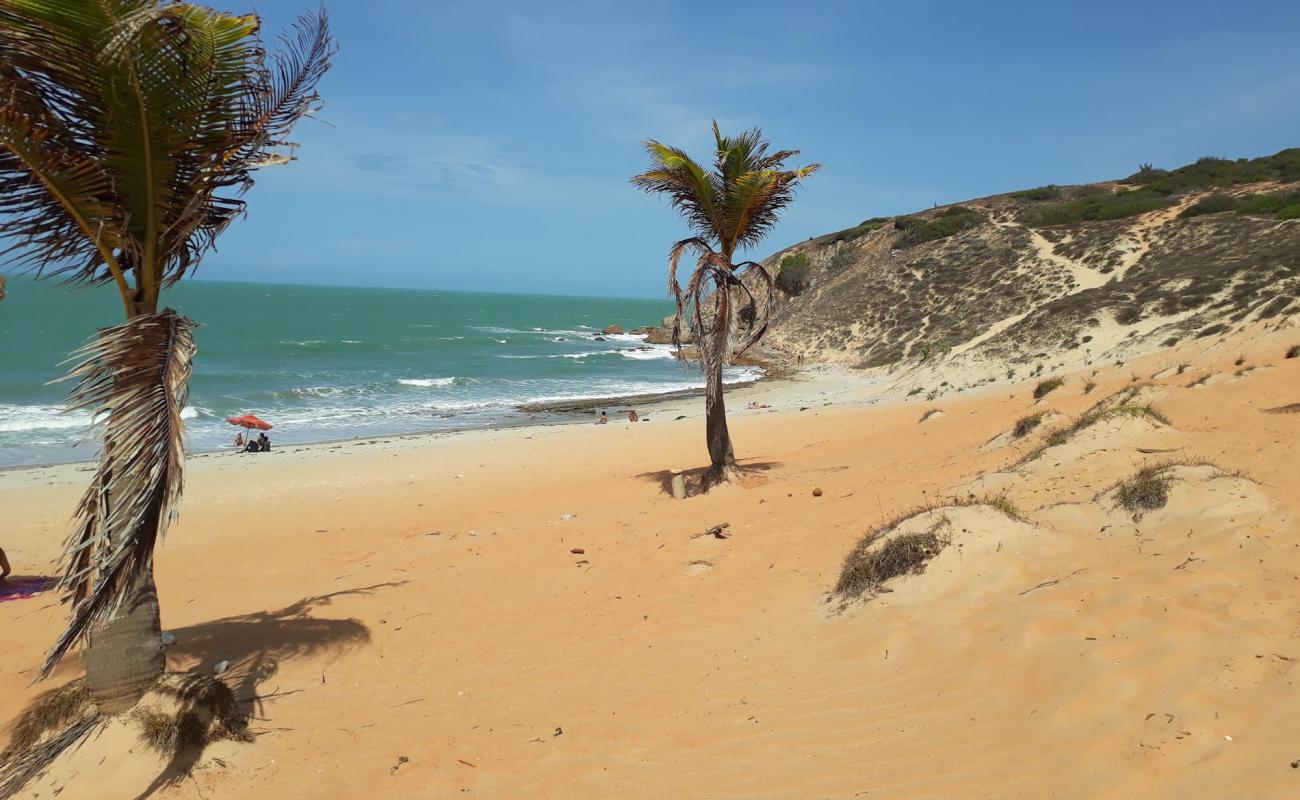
419 600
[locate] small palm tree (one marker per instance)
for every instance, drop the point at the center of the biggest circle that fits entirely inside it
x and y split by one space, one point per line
121 123
726 305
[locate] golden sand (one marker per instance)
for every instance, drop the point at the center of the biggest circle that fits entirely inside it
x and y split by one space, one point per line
416 620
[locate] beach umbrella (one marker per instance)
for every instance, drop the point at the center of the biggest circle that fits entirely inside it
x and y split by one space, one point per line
249 421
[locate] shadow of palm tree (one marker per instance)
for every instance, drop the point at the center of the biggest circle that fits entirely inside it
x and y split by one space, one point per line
255 644
695 477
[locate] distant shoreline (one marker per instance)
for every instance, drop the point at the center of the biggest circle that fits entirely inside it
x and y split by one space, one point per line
547 413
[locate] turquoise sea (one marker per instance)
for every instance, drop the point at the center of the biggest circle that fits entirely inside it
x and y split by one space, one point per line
326 363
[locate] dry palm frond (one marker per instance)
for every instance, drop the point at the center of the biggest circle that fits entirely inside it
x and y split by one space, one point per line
22 766
135 376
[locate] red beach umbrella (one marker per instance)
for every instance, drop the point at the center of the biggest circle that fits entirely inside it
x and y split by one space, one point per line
249 421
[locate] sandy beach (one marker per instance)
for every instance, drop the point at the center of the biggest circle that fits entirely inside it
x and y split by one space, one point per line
525 612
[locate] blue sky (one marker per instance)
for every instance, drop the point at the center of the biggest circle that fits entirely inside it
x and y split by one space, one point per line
487 145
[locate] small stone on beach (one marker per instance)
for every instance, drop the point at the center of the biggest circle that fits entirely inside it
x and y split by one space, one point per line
817 492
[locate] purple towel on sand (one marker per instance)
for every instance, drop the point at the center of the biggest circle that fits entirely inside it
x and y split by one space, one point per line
23 588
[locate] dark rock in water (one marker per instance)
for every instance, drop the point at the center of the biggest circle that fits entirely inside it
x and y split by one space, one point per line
599 338
612 330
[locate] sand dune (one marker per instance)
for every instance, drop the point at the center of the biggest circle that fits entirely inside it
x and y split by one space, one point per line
415 622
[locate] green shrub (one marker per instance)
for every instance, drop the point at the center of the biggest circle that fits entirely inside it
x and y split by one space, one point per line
793 277
1049 192
949 221
1096 207
859 230
1279 205
1209 173
1214 204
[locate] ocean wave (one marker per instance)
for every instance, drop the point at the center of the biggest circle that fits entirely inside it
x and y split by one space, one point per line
20 418
646 353
426 382
24 418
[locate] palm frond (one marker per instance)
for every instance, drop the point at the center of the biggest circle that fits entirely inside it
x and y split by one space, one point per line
155 107
135 377
691 190
761 301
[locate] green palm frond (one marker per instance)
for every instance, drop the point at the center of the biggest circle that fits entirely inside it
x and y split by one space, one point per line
131 117
134 377
735 205
689 188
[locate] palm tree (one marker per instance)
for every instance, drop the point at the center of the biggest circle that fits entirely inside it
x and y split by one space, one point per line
733 207
128 131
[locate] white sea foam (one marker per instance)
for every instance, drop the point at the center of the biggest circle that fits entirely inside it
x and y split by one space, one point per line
645 354
426 382
22 418
18 418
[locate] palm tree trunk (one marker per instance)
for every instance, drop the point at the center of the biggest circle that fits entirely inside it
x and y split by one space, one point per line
124 656
139 372
721 456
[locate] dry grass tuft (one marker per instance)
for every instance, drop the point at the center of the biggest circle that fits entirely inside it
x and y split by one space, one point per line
866 569
206 711
53 724
1146 490
1098 413
1025 425
1089 386
65 705
998 502
1293 351
868 565
1047 387
170 734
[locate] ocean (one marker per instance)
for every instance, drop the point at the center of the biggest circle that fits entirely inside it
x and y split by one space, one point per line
330 363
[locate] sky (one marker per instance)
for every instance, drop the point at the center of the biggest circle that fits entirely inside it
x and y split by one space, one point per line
488 145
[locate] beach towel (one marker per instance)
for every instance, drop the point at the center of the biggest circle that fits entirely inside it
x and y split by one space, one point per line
24 587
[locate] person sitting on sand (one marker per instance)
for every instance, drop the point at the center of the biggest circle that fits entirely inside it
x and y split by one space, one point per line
4 565
759 405
239 440
603 419
263 442
632 415
252 446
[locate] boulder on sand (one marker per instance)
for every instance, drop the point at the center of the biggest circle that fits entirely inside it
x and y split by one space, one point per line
612 329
